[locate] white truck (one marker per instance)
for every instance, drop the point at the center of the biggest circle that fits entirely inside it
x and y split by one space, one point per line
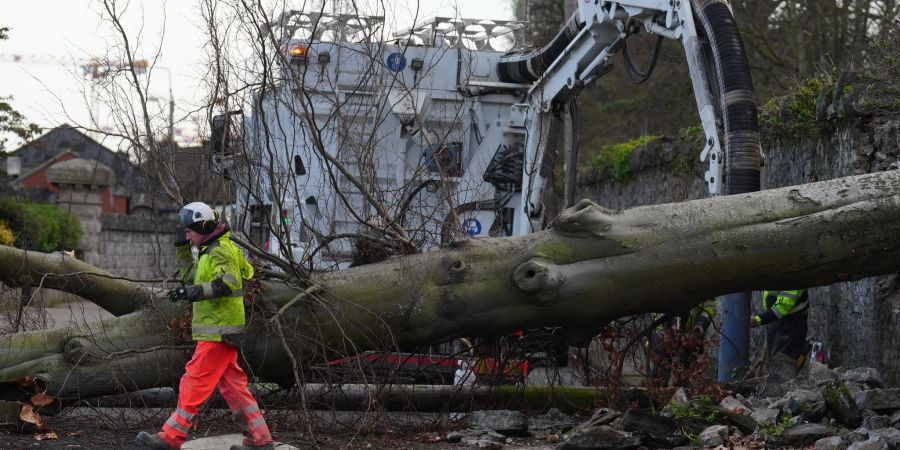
364 146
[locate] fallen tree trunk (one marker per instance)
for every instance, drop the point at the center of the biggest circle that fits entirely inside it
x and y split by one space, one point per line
593 265
391 397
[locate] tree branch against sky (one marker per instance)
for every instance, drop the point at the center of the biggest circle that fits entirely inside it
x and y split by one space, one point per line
11 121
52 89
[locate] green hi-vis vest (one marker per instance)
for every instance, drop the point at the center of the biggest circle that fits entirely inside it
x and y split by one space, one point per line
702 314
783 303
217 316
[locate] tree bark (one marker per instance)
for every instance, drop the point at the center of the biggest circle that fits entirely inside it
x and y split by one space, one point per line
592 266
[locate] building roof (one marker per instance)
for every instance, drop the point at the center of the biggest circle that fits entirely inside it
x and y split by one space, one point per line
49 162
65 138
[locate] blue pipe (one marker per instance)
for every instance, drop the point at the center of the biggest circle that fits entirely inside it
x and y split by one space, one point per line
734 341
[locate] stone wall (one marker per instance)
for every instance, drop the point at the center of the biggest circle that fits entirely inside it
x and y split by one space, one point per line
857 321
137 247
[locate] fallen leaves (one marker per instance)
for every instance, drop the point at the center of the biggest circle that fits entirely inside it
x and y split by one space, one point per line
41 400
49 436
28 415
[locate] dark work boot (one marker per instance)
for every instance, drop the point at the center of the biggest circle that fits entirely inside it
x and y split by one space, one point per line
267 446
152 440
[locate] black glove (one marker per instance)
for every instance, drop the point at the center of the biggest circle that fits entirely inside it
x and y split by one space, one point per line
180 237
185 293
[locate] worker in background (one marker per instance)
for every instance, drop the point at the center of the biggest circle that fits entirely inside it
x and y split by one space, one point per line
218 321
678 343
786 314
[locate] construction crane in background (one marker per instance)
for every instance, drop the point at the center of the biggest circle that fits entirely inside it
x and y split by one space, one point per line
96 69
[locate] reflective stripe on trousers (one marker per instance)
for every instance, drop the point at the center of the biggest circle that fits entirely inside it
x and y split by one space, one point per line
214 364
250 420
216 329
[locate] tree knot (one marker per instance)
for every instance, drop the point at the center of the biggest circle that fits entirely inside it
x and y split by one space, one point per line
585 217
541 278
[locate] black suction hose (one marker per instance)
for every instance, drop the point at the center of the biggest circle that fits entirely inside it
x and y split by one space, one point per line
528 66
737 98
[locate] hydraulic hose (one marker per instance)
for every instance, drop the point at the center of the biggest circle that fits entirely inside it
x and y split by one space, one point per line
737 98
528 66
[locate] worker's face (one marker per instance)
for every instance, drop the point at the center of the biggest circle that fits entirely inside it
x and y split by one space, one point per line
193 237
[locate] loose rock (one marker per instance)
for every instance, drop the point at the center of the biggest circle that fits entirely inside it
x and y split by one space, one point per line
820 374
890 435
638 420
713 436
864 375
878 399
876 422
873 443
508 423
804 402
765 416
601 437
831 443
734 405
782 368
804 433
841 405
680 398
655 430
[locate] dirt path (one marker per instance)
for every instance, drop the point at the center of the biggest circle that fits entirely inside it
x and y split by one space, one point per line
116 428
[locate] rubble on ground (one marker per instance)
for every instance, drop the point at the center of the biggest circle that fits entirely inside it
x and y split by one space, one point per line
821 409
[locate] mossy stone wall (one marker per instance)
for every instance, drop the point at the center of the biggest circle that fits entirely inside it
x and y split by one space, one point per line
859 322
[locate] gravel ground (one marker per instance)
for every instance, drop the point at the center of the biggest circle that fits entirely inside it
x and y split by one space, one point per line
116 428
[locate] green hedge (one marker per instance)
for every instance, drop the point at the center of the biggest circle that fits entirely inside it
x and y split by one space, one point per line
40 226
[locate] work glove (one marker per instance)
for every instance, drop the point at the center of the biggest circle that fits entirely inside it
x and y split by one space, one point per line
185 293
180 237
753 322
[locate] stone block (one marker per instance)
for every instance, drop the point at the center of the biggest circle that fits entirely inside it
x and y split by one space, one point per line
713 436
864 375
830 443
602 437
878 399
508 423
765 416
873 443
805 433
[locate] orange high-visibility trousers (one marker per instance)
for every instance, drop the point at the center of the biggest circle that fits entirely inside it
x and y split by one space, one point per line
214 364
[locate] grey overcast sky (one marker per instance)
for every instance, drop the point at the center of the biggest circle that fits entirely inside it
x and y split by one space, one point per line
38 62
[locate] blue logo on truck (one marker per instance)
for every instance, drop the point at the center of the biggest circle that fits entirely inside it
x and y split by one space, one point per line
472 227
395 62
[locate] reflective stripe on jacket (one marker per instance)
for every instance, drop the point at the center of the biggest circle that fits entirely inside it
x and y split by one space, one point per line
221 261
778 304
702 315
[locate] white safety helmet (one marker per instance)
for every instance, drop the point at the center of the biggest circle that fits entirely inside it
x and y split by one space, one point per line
197 216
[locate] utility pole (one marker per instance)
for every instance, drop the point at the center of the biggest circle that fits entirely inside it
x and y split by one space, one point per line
171 117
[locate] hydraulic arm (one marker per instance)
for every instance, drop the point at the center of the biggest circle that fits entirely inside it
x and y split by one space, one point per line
582 51
720 75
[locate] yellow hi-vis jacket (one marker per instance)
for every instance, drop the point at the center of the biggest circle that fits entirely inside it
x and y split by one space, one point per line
701 316
220 270
778 304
